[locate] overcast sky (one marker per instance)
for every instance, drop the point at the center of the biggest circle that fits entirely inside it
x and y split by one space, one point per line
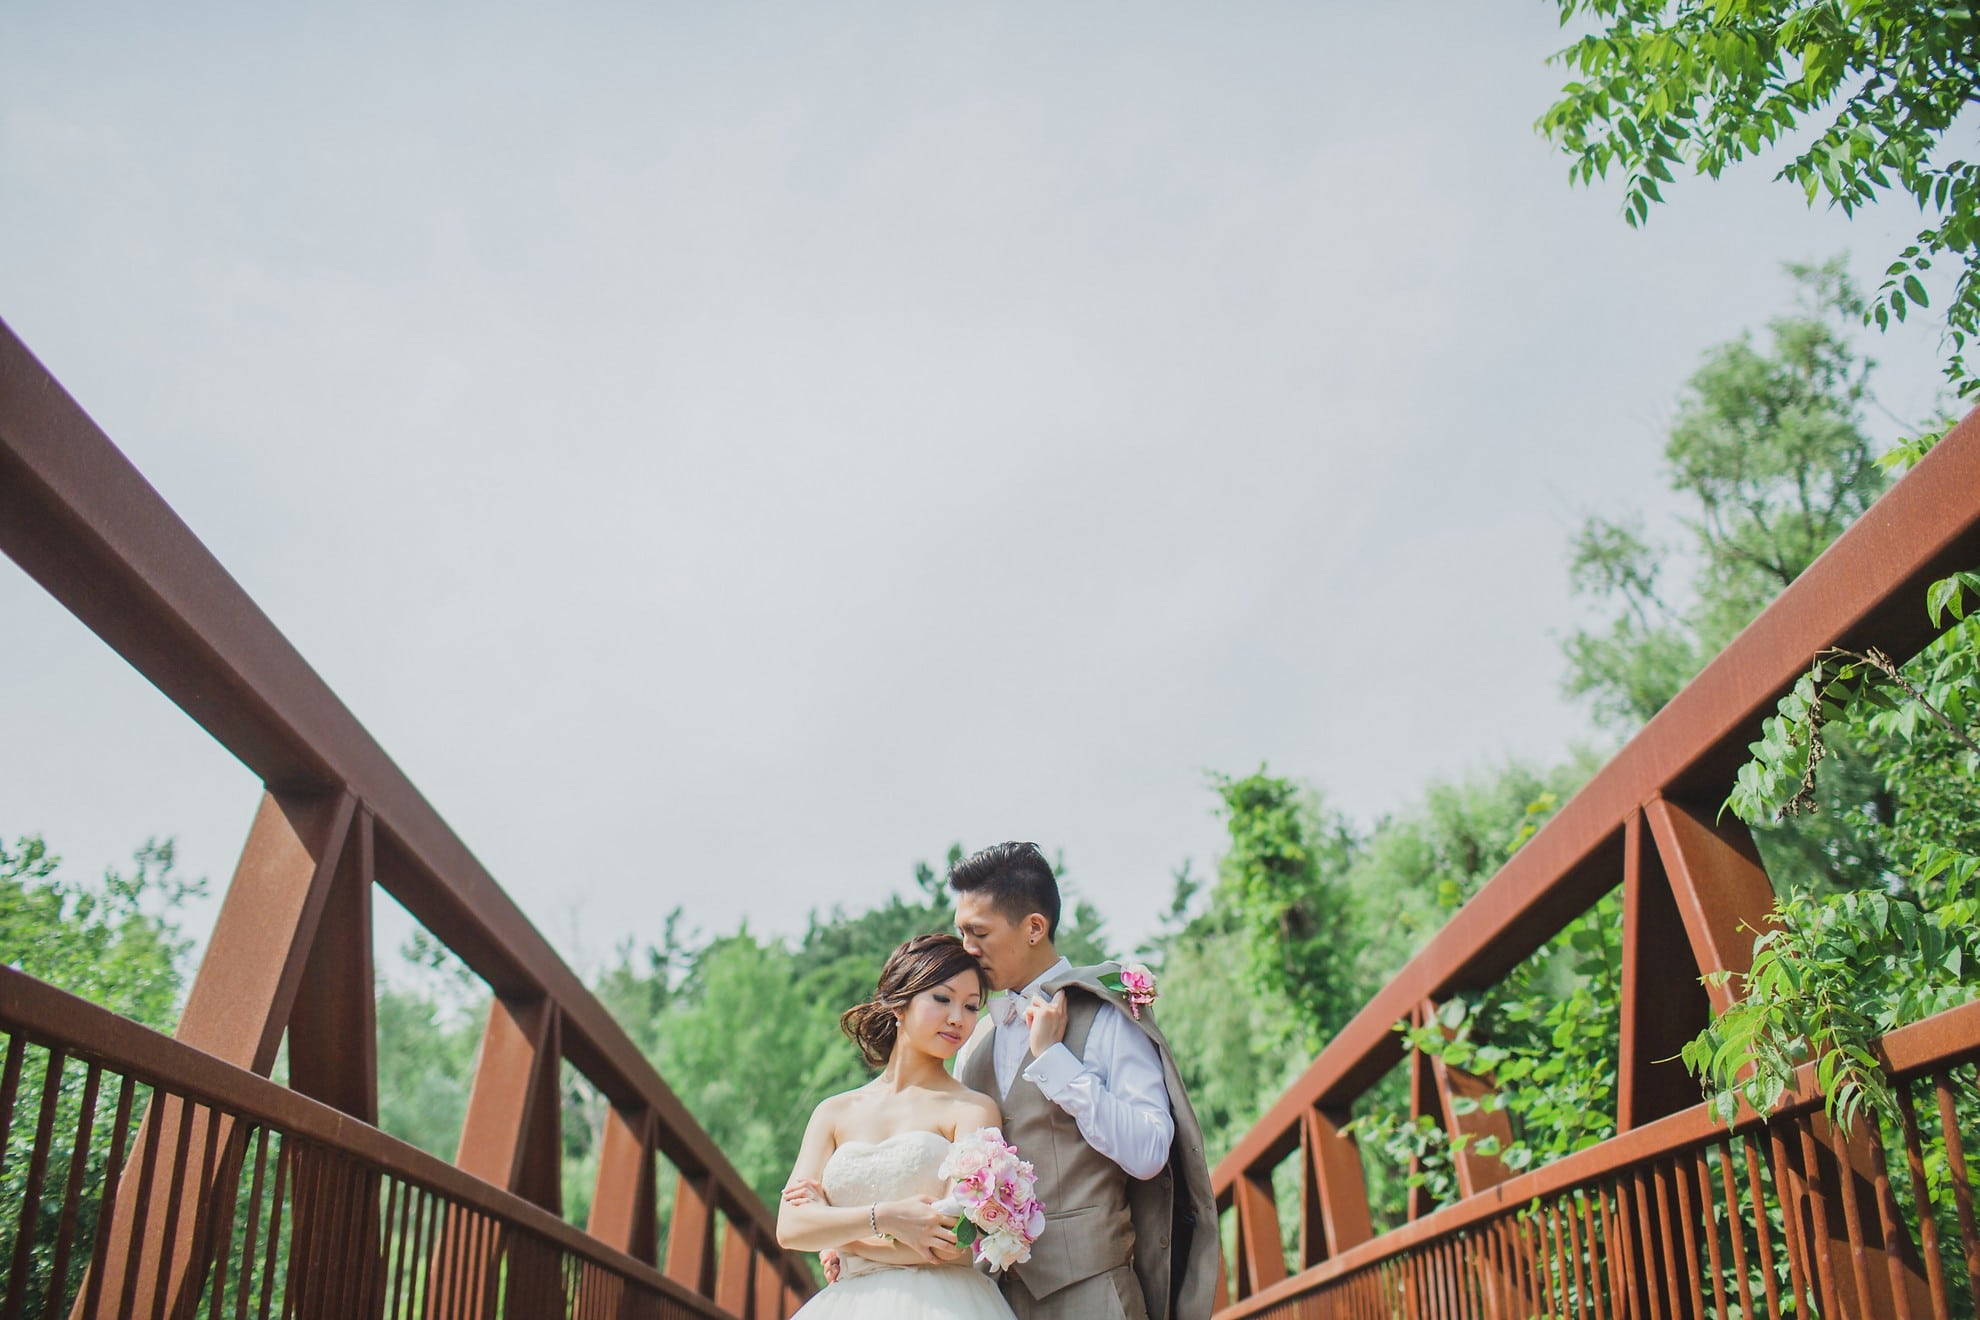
727 452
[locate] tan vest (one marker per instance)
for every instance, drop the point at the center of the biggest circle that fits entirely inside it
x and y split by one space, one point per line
1097 1218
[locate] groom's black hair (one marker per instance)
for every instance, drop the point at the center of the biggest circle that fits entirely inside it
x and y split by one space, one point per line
1017 878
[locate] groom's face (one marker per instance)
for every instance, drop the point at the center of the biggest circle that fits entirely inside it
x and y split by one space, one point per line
994 940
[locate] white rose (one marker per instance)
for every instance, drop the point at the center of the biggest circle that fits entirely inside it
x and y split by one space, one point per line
1003 1250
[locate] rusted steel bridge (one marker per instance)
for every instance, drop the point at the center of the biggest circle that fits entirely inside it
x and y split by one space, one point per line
225 1194
213 1191
1674 1215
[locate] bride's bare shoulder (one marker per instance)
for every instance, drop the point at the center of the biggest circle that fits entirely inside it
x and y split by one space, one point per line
835 1107
973 1110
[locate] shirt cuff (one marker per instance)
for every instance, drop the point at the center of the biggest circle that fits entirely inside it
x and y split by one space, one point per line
1054 1071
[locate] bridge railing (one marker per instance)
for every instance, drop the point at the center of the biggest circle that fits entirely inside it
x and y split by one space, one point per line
1625 1228
290 955
305 1211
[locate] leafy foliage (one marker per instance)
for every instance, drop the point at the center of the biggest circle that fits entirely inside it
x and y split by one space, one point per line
115 943
1837 970
1659 85
1545 1035
1280 883
430 1018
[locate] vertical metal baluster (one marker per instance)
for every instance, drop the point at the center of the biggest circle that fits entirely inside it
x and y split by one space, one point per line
1688 1232
427 1247
1658 1176
1559 1291
141 1212
276 1203
1787 1190
1859 1254
330 1260
175 1195
1890 1222
1735 1231
1533 1237
392 1237
1622 1253
215 1222
409 1289
1649 1240
65 1231
428 1255
1962 1190
454 1273
1928 1225
1811 1181
304 1176
1595 1255
1763 1239
490 1273
1519 1286
251 1234
30 1214
10 1089
405 1220
1702 1176
368 1221
113 1177
1580 1284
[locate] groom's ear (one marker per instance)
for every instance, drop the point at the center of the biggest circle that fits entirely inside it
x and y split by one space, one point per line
1036 928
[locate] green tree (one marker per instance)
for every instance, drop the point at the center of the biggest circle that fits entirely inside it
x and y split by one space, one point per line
1226 1026
1771 459
116 943
1280 883
1700 85
431 1014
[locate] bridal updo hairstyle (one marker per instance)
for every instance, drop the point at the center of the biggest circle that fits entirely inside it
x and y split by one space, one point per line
923 963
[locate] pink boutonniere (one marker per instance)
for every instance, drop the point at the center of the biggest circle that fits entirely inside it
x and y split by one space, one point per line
1136 982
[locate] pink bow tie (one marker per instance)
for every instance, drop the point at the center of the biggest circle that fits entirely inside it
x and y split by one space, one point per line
1013 1004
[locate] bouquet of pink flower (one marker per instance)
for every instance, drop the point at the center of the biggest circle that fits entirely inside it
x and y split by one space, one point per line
990 1188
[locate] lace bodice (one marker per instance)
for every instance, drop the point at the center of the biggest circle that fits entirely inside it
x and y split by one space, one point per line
860 1172
863 1172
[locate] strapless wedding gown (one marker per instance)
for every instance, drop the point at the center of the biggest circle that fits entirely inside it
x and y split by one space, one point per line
905 1164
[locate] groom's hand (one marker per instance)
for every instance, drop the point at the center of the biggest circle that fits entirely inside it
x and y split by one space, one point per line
1047 1018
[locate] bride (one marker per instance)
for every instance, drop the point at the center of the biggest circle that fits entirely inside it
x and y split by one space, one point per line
865 1182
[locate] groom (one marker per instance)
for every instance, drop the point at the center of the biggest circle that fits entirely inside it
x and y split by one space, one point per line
1091 1098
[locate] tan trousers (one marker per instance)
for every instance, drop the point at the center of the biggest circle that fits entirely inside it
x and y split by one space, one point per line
1115 1295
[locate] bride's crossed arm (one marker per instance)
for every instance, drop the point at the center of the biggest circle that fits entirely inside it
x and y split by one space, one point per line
812 1224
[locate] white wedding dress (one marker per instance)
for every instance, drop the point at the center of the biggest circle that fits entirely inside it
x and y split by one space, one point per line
905 1164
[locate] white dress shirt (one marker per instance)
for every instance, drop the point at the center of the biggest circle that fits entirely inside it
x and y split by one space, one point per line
1116 1096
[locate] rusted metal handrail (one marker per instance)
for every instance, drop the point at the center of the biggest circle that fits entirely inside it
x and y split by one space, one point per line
1938 1052
89 1051
291 948
1694 891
